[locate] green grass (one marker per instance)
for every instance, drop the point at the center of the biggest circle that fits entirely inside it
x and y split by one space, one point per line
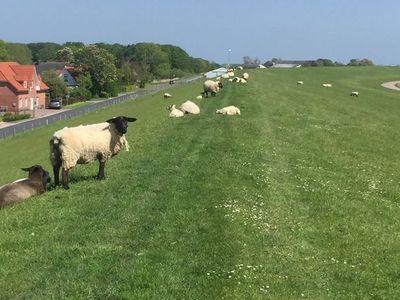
77 104
298 196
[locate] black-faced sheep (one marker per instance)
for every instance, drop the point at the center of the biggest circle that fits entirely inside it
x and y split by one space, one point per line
22 189
211 87
354 94
84 144
167 95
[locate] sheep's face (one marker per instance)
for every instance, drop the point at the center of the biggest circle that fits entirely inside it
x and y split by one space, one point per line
171 107
220 85
36 172
121 123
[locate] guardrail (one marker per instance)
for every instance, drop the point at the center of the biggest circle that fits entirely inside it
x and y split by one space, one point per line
63 115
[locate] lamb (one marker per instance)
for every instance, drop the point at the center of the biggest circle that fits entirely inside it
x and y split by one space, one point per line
174 112
199 97
212 87
167 95
22 189
190 108
84 144
246 76
354 94
300 82
228 110
327 85
239 68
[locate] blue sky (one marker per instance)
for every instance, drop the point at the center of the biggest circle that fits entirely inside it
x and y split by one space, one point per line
287 29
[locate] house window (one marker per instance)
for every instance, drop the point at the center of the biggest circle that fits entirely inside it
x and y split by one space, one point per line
20 103
26 102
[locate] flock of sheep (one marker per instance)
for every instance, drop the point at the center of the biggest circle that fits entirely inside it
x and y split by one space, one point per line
210 87
329 85
86 143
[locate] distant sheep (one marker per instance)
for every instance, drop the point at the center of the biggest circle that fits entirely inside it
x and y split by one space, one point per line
354 94
239 68
167 95
246 76
189 108
211 87
327 85
84 144
22 189
300 82
228 110
174 112
199 97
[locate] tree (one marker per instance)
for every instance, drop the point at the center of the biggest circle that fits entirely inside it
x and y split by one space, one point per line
19 53
98 63
178 58
82 92
151 55
4 56
247 60
364 62
44 51
65 55
57 88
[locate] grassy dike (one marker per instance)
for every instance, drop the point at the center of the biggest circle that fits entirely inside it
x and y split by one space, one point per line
297 197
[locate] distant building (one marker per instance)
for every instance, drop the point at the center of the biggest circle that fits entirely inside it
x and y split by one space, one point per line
291 63
215 73
21 88
61 69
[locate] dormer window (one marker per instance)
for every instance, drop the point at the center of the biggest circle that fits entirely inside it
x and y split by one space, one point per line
25 84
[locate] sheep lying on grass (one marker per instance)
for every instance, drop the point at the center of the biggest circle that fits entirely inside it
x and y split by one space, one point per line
211 87
167 95
190 108
22 189
246 76
228 110
199 97
354 94
327 85
300 82
84 144
174 112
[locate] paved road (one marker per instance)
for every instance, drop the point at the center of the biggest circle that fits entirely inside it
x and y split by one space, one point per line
391 85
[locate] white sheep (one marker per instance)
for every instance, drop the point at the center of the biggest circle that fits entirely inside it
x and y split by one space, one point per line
225 76
228 110
167 95
84 144
246 76
239 68
199 97
354 94
231 74
212 87
327 85
22 189
174 112
190 108
300 82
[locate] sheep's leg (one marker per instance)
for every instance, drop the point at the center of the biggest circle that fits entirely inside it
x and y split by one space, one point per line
56 171
65 178
100 175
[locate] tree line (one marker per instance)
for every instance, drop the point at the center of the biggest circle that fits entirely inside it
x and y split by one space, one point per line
103 69
325 62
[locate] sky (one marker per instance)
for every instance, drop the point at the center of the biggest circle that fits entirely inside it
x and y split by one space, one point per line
288 29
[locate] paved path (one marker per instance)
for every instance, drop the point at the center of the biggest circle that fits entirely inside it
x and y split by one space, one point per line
391 85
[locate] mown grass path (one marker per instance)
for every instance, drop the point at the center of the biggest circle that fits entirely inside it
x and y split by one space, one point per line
297 197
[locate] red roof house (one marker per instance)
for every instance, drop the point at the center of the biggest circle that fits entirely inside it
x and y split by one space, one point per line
20 87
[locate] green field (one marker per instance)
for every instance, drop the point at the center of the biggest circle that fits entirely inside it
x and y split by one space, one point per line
298 197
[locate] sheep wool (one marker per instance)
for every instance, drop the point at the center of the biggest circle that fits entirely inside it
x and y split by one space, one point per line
246 76
190 108
228 110
83 144
210 86
174 112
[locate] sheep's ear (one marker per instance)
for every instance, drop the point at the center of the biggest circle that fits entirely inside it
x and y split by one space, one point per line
130 119
25 169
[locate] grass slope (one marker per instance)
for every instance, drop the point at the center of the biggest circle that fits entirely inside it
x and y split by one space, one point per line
298 196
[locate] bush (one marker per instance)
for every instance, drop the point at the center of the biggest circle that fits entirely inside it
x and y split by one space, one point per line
10 117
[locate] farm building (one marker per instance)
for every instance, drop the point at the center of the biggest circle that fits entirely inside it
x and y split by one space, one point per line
216 73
